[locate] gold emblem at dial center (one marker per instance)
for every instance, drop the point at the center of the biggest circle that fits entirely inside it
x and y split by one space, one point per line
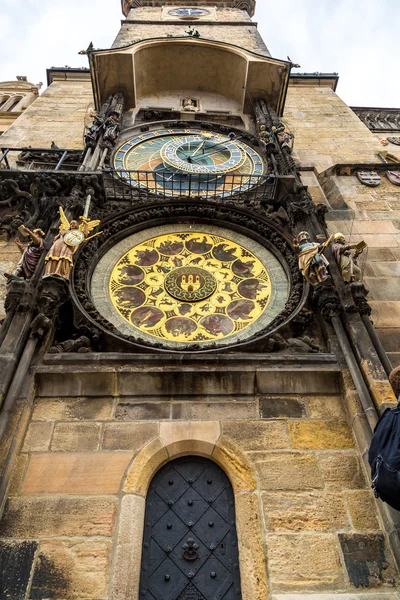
190 284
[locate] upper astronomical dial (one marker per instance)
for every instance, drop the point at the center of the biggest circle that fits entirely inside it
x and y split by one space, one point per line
189 161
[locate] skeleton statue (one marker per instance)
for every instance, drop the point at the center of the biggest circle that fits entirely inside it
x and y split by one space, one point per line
312 262
31 254
346 261
59 259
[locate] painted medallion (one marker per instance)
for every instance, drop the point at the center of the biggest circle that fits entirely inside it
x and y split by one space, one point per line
190 287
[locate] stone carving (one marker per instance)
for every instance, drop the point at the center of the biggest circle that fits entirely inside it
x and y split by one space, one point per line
52 294
379 119
303 345
394 140
347 262
31 254
32 198
312 263
59 259
81 345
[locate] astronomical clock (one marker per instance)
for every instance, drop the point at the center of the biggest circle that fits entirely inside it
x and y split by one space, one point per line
188 267
188 161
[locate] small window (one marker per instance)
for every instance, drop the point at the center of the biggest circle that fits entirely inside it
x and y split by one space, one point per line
3 100
13 104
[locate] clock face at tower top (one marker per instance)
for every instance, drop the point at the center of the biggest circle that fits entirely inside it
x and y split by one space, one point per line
188 162
187 13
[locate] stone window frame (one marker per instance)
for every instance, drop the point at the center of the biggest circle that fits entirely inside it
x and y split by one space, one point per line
11 104
177 439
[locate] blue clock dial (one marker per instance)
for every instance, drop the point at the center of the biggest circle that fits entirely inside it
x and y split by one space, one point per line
195 13
188 162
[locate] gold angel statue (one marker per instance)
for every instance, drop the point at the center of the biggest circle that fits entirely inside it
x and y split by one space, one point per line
59 259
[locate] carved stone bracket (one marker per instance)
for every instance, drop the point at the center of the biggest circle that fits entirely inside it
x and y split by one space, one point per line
53 292
326 300
360 293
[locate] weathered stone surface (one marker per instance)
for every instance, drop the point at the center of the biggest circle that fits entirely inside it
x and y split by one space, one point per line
288 471
297 381
128 557
320 434
214 410
72 409
75 473
76 437
252 560
272 408
26 517
18 474
341 470
235 464
38 437
325 407
142 469
76 384
367 560
257 435
142 411
304 561
71 569
363 510
186 382
306 511
128 436
16 560
193 437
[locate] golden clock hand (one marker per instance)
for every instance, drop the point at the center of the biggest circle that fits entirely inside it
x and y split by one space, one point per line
198 148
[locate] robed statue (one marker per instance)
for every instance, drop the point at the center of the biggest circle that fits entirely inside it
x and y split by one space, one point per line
59 259
312 262
31 254
345 259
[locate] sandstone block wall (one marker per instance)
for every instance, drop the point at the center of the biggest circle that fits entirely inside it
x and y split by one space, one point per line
148 23
57 115
312 492
327 132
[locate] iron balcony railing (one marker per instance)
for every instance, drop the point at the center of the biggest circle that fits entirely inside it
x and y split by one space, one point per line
46 159
149 184
128 185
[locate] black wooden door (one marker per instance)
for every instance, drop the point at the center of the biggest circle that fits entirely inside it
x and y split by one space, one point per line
190 549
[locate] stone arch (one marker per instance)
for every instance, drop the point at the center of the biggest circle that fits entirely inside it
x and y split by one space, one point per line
179 439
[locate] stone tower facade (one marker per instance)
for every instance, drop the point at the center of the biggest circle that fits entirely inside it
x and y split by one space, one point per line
15 97
164 440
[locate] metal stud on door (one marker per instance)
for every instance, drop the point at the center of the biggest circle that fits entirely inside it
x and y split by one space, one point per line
190 549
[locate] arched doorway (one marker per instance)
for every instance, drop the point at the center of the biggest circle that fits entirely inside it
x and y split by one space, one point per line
190 549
